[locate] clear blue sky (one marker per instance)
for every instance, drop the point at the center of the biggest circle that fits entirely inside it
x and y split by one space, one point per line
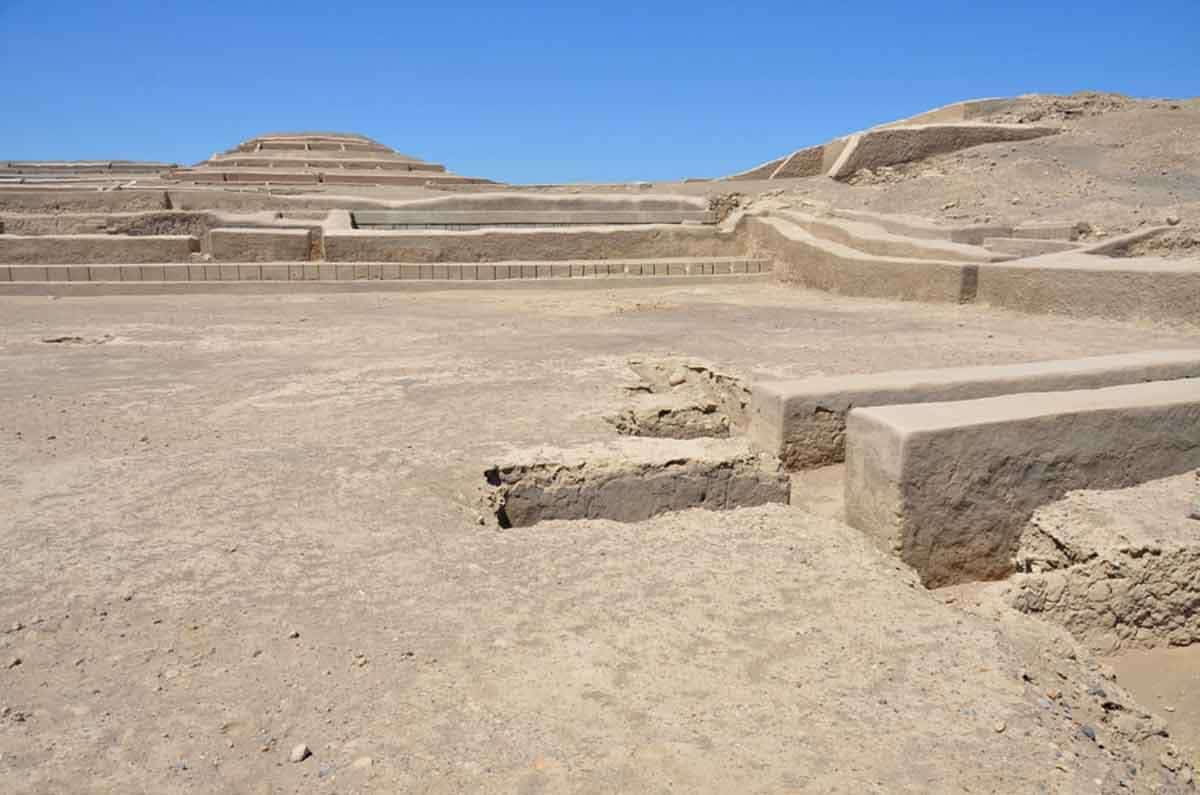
615 91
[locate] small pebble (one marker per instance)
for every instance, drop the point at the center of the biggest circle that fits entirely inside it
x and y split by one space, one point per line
293 634
1000 727
1088 732
299 753
363 763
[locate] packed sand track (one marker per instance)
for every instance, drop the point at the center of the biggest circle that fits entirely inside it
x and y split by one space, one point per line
329 470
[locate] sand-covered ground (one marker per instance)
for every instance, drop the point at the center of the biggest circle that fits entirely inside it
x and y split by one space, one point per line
233 525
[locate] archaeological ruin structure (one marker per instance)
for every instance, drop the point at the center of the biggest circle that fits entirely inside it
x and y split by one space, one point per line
957 448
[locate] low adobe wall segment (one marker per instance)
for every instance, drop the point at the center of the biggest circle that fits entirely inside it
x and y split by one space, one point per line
808 261
1096 282
803 422
647 241
949 487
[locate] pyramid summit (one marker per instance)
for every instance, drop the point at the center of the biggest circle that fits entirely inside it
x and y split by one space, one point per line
317 157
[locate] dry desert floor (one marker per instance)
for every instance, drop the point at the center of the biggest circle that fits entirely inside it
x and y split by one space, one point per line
232 525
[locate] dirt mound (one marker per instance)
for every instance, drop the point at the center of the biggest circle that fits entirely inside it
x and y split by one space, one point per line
680 398
1118 164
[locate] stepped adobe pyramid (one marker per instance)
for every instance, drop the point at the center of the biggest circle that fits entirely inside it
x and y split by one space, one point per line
309 158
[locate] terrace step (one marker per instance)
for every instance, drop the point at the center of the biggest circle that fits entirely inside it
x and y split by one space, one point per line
384 271
564 244
42 250
1026 246
809 261
333 176
871 238
1096 281
475 219
914 226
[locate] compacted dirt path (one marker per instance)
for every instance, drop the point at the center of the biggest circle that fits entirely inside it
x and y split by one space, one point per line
233 526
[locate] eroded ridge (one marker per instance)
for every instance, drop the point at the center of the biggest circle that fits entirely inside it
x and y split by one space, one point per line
1116 568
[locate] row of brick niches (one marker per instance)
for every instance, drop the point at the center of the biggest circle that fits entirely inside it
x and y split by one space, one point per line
322 271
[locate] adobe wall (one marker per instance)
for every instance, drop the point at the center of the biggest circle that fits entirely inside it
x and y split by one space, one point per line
530 244
890 146
949 486
1084 285
259 245
86 249
803 421
803 260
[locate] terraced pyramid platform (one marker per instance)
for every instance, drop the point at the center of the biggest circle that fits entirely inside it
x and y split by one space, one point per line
310 158
65 173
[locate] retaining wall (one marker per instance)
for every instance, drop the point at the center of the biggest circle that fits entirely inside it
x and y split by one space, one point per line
803 421
1083 285
807 261
380 271
949 486
895 145
259 245
88 249
62 200
530 244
